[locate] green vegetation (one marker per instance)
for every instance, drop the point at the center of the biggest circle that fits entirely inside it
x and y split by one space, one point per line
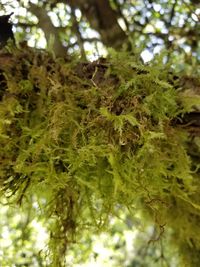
99 133
85 147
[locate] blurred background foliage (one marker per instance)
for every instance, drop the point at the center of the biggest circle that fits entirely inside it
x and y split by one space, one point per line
86 29
24 238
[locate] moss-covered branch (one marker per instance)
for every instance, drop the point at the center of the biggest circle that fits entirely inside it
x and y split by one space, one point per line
85 138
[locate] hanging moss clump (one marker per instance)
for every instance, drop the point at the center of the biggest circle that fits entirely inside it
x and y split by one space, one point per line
85 139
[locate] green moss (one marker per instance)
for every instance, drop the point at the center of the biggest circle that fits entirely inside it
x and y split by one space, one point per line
84 146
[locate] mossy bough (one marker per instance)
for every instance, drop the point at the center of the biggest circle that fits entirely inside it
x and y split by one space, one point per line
88 139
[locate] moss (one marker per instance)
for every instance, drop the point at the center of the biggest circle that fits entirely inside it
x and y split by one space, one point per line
85 144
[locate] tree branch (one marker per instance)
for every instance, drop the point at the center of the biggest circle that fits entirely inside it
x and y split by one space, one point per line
103 19
48 28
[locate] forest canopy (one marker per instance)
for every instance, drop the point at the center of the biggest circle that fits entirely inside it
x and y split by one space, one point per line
99 132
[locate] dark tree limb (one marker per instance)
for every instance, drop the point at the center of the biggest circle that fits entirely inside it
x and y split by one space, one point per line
103 19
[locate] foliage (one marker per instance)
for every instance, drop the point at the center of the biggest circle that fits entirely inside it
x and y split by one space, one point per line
86 147
151 25
22 237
